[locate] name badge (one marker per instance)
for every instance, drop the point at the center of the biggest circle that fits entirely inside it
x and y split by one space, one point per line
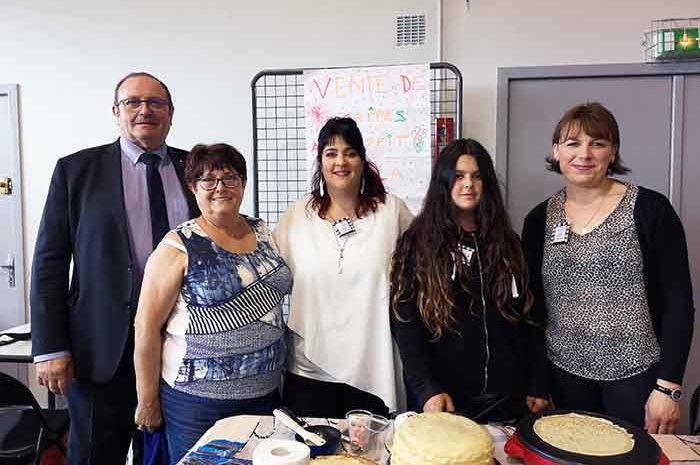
343 227
560 235
467 252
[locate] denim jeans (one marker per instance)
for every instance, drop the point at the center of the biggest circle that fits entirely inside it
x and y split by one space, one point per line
187 417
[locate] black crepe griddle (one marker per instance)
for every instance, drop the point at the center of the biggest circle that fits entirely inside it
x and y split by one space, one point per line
646 450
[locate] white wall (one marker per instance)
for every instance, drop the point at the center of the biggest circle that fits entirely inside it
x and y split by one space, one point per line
68 55
505 33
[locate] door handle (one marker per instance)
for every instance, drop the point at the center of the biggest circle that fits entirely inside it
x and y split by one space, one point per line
10 267
5 186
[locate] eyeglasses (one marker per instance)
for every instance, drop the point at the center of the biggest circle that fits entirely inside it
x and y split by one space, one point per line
229 180
154 103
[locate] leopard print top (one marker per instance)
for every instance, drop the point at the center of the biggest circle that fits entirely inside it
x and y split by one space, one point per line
598 320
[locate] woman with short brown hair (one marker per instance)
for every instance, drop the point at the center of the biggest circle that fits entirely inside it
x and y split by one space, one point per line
209 330
609 264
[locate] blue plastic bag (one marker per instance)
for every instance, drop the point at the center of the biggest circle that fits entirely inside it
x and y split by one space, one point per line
155 448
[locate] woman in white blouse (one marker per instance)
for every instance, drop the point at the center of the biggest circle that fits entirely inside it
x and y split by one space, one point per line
338 242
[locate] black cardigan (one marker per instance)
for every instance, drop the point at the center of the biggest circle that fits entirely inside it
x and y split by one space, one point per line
666 275
455 363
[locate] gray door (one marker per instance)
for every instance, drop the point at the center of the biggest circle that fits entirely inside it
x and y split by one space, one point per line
12 310
690 212
657 108
641 105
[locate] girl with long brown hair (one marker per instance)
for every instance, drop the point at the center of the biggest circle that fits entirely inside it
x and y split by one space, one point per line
460 298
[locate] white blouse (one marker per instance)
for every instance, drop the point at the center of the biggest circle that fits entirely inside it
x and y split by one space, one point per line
339 308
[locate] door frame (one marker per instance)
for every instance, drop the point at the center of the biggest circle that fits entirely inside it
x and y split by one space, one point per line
12 92
675 70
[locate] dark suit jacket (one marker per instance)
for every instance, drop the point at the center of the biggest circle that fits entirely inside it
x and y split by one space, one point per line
84 220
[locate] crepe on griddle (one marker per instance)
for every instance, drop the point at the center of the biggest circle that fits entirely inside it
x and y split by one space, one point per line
584 434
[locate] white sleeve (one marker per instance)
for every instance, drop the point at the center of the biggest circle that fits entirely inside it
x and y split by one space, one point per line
175 244
405 215
280 235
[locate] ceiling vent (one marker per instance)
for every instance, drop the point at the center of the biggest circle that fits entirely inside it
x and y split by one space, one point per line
410 30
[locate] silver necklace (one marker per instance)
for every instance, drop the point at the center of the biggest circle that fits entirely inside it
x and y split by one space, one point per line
341 250
342 230
584 228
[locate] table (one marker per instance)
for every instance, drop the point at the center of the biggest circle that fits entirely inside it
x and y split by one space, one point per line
252 429
21 352
18 351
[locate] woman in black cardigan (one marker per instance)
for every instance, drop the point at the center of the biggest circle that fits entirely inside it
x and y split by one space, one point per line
460 301
609 267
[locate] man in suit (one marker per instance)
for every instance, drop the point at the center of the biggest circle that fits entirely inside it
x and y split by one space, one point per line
106 209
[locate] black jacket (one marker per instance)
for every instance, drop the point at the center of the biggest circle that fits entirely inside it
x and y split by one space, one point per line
485 353
666 274
84 221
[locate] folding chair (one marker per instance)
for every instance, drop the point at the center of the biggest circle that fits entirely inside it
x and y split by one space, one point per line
27 430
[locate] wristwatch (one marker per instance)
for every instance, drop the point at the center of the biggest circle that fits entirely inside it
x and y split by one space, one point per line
674 394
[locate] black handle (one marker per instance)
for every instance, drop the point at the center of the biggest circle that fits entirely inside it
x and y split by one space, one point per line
18 336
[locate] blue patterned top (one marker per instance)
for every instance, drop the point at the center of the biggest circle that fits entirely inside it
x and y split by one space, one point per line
225 337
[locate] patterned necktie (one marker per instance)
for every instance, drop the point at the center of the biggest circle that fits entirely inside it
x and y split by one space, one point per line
156 197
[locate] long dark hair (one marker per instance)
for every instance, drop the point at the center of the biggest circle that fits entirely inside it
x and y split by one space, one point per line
424 254
373 192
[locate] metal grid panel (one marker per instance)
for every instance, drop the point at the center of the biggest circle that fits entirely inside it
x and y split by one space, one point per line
279 144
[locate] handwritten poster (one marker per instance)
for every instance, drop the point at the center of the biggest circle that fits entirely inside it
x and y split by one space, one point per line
391 105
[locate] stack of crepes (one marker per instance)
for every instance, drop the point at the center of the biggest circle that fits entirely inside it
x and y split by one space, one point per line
441 439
